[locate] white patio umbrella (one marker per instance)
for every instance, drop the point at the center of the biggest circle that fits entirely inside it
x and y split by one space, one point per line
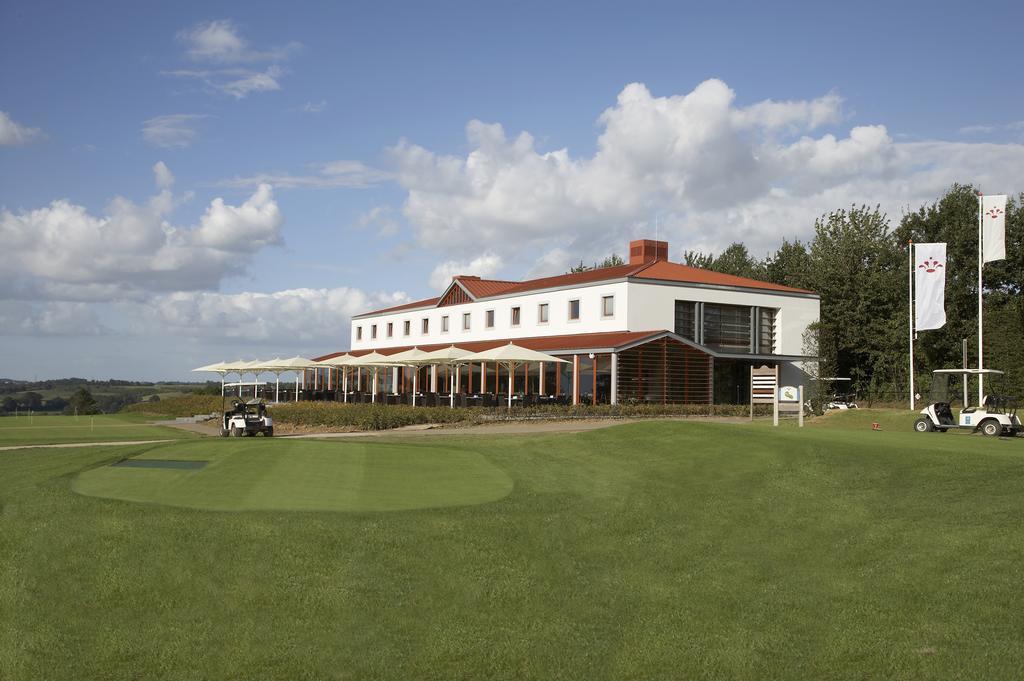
339 362
512 356
413 357
451 357
272 366
298 365
374 361
219 368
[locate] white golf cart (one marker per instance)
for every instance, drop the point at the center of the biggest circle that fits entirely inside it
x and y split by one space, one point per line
247 418
996 416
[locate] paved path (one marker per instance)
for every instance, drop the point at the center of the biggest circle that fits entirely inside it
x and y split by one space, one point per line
65 445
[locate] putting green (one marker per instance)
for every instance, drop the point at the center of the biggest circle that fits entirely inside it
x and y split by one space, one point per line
283 475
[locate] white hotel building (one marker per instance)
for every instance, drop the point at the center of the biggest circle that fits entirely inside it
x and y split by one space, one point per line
648 331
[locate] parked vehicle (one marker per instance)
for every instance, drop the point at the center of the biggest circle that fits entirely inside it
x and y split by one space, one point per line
247 418
997 414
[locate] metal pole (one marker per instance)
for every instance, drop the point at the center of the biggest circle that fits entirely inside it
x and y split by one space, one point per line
775 399
981 335
800 393
965 375
910 307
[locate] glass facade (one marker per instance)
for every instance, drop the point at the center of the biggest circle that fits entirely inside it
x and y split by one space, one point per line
727 328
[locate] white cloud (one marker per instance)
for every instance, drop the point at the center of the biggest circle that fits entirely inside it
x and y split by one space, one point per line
63 252
219 45
486 265
15 134
281 316
220 41
313 107
55 318
164 176
351 174
714 172
380 217
172 130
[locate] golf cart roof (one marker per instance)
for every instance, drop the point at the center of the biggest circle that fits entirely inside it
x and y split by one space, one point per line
969 372
833 379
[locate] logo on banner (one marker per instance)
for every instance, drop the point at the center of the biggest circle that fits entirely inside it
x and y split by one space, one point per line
930 266
994 213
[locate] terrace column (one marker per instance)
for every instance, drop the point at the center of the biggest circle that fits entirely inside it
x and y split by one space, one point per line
615 378
433 378
540 379
575 379
344 384
394 379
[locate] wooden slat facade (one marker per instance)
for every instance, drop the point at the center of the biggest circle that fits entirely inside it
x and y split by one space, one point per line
665 371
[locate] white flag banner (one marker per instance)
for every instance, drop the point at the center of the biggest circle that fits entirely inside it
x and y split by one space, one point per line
993 222
929 286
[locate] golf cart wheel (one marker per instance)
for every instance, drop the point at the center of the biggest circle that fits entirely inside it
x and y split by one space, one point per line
237 432
224 432
269 432
924 425
991 428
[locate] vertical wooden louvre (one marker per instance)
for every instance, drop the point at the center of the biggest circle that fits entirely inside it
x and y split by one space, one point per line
664 371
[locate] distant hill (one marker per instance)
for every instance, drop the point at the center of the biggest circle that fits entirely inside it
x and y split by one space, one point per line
52 395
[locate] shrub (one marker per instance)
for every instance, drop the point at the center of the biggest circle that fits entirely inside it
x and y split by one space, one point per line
186 405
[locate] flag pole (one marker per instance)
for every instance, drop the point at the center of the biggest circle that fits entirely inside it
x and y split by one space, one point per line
910 308
981 334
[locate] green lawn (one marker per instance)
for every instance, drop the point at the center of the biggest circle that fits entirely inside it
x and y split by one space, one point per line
44 430
652 550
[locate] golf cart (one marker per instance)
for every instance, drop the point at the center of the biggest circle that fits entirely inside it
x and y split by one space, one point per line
996 416
247 418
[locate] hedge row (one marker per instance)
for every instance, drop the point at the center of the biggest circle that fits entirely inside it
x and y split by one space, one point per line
379 417
184 405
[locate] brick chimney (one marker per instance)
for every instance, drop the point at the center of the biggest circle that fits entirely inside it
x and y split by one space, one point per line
643 251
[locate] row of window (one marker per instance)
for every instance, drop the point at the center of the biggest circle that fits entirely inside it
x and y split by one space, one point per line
543 317
732 328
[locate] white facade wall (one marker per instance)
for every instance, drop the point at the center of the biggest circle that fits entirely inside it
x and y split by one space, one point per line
590 321
652 306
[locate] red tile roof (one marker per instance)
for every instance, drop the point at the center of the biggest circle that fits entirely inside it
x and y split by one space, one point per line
661 271
482 288
671 271
579 341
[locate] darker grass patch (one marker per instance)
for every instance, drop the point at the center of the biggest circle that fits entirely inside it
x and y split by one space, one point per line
160 463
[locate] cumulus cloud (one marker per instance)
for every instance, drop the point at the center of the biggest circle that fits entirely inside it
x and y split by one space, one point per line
713 171
486 265
15 134
54 318
281 316
343 173
172 130
62 251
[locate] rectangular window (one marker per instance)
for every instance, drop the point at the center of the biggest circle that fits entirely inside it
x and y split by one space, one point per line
373 331
515 316
607 306
542 313
425 329
727 327
391 329
406 327
574 310
489 317
686 319
359 333
766 330
465 321
444 324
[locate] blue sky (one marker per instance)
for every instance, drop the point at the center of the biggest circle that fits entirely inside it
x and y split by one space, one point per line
374 128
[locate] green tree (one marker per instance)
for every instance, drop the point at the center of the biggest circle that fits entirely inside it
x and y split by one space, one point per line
736 260
82 402
790 266
857 268
612 260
